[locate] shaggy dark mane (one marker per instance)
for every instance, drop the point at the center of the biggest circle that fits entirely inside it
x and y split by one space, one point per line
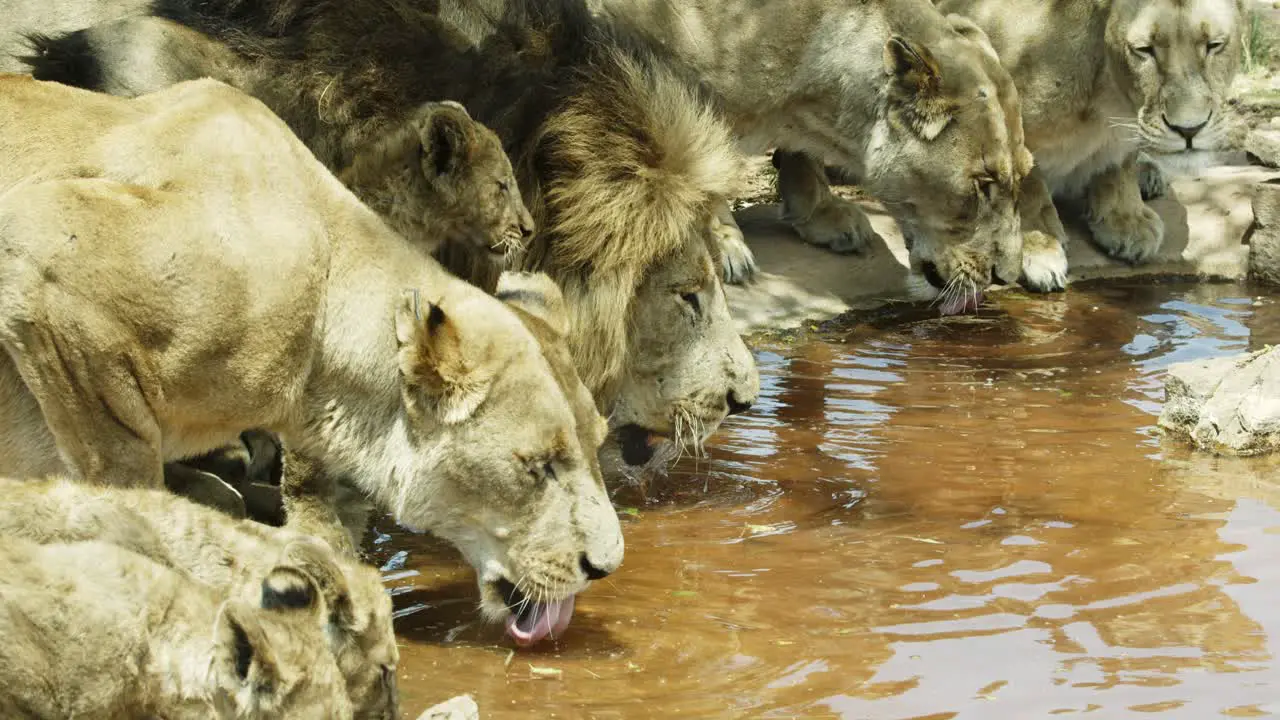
511 62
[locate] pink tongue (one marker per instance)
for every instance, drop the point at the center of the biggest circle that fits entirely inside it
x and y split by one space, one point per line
963 303
546 619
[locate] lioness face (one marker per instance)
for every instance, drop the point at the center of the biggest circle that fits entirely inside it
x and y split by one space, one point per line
1175 59
688 369
947 161
514 441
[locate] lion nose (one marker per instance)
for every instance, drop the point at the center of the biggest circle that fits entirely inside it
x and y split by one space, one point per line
932 275
526 225
592 572
1186 131
736 406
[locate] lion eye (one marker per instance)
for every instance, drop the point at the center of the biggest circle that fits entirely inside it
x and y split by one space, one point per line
1214 47
548 471
1145 51
693 301
504 186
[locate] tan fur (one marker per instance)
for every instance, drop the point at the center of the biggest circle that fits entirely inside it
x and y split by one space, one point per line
232 557
624 166
443 179
177 268
893 93
1102 80
92 630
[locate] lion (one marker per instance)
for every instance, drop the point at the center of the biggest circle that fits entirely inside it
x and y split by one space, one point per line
96 631
444 180
231 556
620 156
896 94
177 268
1103 82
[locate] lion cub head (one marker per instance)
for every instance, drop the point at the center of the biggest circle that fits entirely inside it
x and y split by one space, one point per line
443 175
1175 60
358 625
513 440
947 159
270 660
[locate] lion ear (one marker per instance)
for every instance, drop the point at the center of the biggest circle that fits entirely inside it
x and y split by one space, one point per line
315 558
447 135
536 294
243 651
916 86
974 34
435 367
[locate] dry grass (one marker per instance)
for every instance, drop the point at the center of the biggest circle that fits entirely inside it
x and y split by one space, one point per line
1261 41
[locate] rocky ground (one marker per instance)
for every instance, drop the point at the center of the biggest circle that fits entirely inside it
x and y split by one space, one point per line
1226 406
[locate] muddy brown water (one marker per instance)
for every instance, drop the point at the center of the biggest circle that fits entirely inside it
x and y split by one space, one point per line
922 518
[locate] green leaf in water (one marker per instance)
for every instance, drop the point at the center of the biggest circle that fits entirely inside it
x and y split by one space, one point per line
683 593
633 512
545 672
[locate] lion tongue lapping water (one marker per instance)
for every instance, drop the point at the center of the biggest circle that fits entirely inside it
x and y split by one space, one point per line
539 620
958 303
530 622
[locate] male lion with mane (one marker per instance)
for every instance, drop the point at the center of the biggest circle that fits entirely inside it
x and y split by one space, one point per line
911 103
623 163
178 267
1102 81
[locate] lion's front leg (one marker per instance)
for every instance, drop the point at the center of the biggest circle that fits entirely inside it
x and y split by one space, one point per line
1122 225
1044 240
813 212
736 259
1151 179
96 408
310 498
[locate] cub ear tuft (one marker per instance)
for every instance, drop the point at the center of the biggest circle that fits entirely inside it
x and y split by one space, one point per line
288 588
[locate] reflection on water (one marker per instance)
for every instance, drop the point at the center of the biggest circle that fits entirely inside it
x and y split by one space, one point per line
961 518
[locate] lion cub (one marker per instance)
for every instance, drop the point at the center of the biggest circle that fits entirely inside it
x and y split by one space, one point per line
443 180
232 557
92 630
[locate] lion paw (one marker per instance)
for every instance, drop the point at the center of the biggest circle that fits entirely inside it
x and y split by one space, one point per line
1044 263
839 226
736 259
1151 179
1133 235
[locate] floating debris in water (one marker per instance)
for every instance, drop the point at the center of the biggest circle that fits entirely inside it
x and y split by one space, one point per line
545 672
396 562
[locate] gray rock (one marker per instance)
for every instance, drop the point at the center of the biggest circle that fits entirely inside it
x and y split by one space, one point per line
1228 406
1263 235
1264 144
462 707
